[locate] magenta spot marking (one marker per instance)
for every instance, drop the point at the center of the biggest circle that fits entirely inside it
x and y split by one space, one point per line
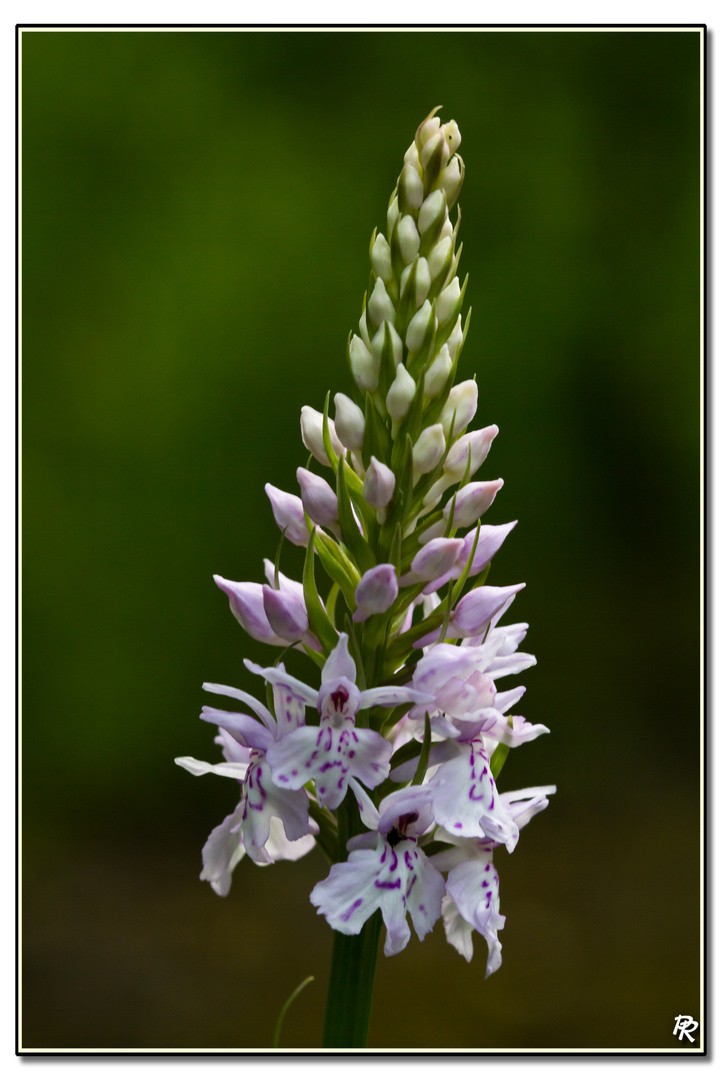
294 772
411 885
347 914
457 825
395 884
408 860
352 753
283 777
422 908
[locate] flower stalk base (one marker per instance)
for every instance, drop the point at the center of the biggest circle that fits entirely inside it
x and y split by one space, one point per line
350 989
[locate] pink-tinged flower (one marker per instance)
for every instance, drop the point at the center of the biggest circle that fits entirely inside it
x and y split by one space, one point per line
491 537
474 446
336 750
387 869
472 501
376 591
288 514
434 559
245 741
285 613
460 678
318 498
477 608
246 603
461 406
472 902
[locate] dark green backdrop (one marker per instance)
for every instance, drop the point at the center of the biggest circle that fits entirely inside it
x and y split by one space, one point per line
196 212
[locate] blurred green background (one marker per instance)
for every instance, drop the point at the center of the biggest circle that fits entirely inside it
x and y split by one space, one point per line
196 212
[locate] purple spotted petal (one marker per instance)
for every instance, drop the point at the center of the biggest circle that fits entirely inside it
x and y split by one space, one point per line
330 756
465 799
474 888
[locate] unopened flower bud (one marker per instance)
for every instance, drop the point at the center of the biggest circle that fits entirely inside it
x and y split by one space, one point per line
312 434
452 135
364 330
425 130
392 214
476 610
434 559
246 603
379 307
318 498
491 537
429 448
423 281
376 591
288 513
431 209
408 238
418 326
440 256
455 338
411 157
379 483
447 301
364 367
379 341
472 501
473 446
452 179
285 613
349 422
411 188
381 257
401 394
438 373
435 153
460 406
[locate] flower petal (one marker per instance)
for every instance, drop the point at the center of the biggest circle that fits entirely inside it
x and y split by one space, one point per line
340 664
222 851
251 732
465 798
247 699
278 676
192 765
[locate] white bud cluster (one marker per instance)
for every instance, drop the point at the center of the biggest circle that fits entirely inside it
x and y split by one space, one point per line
415 294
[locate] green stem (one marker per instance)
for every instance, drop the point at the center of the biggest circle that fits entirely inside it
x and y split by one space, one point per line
353 965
